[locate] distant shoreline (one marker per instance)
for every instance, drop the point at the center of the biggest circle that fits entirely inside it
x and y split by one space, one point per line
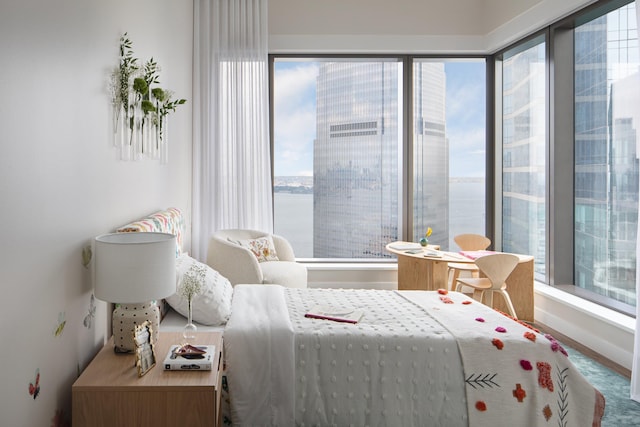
304 184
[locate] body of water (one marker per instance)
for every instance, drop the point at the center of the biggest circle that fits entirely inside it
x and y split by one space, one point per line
294 216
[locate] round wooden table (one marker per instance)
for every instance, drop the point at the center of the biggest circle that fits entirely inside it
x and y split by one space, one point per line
427 269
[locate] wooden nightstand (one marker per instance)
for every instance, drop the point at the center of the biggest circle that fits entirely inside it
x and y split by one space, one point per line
110 393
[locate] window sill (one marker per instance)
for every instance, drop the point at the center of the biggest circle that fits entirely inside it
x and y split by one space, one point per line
349 266
614 318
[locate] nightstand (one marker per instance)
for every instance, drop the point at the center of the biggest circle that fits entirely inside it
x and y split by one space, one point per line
110 393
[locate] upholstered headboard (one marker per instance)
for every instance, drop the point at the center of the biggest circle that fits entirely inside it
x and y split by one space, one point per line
170 220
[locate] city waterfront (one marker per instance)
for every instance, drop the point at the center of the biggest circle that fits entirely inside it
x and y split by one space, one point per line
294 214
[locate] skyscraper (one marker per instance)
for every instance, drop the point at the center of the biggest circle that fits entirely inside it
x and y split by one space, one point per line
430 153
524 158
606 163
358 155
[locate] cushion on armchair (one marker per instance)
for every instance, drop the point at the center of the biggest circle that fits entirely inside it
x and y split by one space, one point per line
262 247
286 273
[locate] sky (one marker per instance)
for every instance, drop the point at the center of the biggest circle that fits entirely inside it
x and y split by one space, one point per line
295 117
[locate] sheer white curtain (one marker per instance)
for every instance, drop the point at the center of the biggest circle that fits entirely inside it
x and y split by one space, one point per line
635 371
231 152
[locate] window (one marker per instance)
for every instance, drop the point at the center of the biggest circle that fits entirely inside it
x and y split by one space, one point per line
449 148
578 212
523 151
606 164
338 146
339 151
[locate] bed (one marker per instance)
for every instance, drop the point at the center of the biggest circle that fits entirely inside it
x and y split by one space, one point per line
415 358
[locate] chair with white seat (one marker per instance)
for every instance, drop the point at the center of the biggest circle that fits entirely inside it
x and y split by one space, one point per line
467 242
496 267
230 255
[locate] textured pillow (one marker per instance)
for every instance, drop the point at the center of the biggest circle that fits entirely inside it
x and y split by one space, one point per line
262 247
212 306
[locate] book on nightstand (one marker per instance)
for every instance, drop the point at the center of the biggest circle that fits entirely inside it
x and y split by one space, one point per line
191 361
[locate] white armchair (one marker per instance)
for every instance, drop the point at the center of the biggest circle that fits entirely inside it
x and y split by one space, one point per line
238 264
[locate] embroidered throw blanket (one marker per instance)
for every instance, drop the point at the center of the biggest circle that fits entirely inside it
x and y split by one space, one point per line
512 372
415 358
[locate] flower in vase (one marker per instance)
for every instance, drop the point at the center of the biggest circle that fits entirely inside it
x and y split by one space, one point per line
425 240
120 77
136 97
192 282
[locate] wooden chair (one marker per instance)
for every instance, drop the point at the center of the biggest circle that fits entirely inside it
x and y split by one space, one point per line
496 267
467 242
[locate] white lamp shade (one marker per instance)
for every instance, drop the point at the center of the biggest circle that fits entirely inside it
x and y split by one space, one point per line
135 267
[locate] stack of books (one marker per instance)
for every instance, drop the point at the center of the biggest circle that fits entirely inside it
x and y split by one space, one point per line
190 358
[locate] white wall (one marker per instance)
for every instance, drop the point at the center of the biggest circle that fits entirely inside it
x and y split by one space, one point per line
61 183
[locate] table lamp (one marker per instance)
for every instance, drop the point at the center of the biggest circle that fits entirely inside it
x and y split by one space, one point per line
133 270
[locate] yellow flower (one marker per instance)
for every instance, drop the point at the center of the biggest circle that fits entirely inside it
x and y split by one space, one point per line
429 231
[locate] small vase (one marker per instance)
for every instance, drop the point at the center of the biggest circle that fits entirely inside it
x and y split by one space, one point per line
424 242
189 331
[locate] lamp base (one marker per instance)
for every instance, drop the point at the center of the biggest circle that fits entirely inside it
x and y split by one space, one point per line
126 317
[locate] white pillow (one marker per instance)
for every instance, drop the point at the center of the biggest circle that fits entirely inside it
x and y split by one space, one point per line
212 306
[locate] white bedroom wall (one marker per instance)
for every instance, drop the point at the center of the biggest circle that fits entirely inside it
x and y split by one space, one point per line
61 183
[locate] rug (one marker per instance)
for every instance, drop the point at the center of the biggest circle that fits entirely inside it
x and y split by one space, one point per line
620 410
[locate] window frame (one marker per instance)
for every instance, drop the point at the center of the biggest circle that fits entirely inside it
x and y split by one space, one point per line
406 174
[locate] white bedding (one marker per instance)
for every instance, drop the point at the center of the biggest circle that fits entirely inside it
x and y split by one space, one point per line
398 366
370 373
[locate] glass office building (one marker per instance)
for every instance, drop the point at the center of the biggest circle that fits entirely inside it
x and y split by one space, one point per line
430 152
606 164
358 155
523 153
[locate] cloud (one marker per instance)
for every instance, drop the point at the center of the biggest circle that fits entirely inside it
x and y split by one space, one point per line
467 150
466 139
295 87
294 118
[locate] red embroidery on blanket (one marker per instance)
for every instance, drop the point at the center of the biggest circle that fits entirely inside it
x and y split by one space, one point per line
526 365
443 291
530 336
498 343
555 345
518 320
465 302
544 375
446 300
519 393
546 411
481 406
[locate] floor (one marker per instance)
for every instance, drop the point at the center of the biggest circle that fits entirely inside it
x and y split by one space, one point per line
586 351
